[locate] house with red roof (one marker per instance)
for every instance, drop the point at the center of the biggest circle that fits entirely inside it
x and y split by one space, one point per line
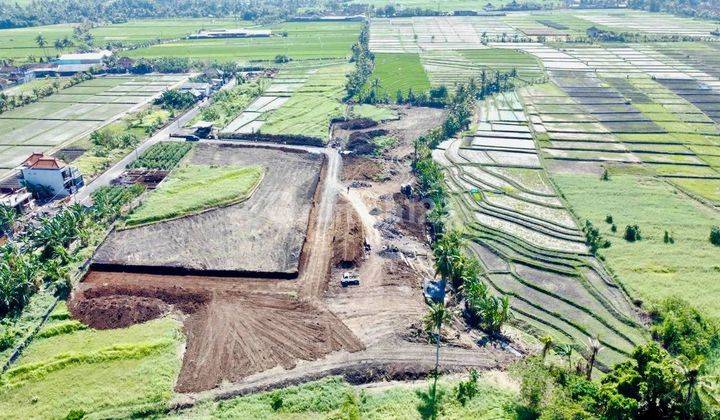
51 175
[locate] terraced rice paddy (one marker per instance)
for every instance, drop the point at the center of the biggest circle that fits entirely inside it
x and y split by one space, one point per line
46 125
450 67
527 240
648 23
300 101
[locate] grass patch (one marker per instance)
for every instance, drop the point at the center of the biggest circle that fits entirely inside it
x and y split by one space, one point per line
398 72
195 188
327 399
109 371
651 269
384 143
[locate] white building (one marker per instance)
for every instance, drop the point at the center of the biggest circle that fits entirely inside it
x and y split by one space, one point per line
231 33
49 172
77 63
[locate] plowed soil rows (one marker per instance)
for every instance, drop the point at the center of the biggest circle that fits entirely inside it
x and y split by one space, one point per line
234 328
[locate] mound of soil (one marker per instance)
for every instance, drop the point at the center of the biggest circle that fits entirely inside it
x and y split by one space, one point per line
360 168
358 124
117 311
348 236
412 215
361 142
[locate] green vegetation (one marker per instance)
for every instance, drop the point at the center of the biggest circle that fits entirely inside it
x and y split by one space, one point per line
32 277
304 41
332 398
396 72
113 142
651 270
164 155
227 104
672 381
175 100
310 110
113 372
196 188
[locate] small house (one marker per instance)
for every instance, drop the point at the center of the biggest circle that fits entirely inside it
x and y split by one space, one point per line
50 175
200 90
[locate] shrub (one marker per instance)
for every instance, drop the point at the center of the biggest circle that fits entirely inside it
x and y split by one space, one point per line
609 219
467 390
683 330
668 239
715 235
613 228
632 233
276 401
7 338
593 239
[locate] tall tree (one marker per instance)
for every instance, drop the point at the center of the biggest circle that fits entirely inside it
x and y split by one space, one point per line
437 316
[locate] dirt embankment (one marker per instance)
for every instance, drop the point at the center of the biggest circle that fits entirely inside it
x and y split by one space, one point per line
348 236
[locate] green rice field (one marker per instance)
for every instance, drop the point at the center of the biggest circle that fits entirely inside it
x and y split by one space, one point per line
651 269
309 110
69 368
304 41
196 188
398 72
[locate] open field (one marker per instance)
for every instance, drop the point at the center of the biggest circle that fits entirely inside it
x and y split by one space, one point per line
398 72
194 189
651 269
18 44
268 244
73 113
114 372
304 41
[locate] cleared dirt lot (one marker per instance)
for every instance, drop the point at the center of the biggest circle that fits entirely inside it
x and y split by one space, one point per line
234 328
261 237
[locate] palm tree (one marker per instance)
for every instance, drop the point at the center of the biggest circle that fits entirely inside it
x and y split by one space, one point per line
547 342
59 45
594 347
437 316
41 42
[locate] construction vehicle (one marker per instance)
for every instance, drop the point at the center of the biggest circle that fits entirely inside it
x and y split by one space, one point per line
349 279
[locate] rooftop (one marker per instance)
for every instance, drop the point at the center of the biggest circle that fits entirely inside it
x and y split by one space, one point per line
86 56
40 161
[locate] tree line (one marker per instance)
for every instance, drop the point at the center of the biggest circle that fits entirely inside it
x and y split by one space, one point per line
41 252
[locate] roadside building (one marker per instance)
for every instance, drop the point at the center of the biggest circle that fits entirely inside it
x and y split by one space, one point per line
51 174
200 90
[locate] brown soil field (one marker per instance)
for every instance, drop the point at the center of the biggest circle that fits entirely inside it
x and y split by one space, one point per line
233 328
261 237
